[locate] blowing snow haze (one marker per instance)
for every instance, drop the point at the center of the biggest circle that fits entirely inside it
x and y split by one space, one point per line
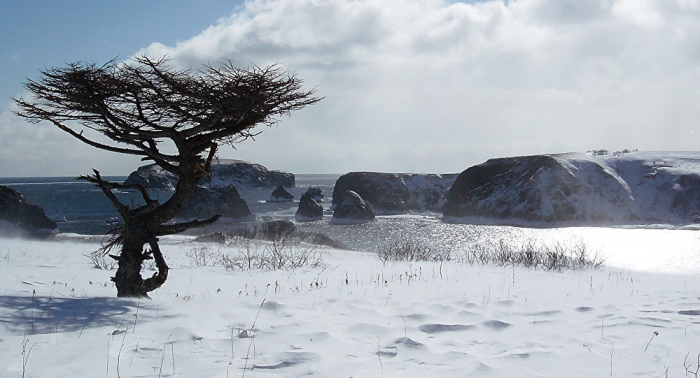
431 86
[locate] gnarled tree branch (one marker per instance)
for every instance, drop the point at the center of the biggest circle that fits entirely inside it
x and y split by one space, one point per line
177 228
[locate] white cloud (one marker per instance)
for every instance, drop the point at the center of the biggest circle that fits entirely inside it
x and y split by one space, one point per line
436 86
29 150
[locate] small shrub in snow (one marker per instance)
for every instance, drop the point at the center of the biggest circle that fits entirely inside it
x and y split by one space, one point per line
277 230
504 254
246 257
410 250
559 256
280 256
284 254
100 260
202 256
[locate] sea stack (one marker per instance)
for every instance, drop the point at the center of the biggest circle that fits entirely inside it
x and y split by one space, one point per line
309 209
280 195
352 209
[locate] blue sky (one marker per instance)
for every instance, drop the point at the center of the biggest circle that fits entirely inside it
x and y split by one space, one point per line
35 34
409 86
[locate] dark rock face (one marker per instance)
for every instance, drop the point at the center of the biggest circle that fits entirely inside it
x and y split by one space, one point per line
395 193
285 179
224 172
280 195
476 191
316 194
208 202
309 209
18 216
686 197
351 209
534 189
573 189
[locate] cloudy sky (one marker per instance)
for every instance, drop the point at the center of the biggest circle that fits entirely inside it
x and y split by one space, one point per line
409 85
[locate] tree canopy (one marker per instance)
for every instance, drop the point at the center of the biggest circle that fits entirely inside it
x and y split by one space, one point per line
140 103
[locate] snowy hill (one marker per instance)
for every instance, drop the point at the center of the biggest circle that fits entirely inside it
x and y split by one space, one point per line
576 188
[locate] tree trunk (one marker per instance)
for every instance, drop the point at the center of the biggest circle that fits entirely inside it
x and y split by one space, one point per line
128 278
143 227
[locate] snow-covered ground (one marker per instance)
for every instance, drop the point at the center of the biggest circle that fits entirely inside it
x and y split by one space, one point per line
353 318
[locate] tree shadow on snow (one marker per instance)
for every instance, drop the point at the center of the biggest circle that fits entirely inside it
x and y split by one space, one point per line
36 315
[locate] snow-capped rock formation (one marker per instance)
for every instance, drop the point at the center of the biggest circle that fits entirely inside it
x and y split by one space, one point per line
394 193
280 195
19 217
309 209
243 174
351 209
576 189
152 177
225 201
224 172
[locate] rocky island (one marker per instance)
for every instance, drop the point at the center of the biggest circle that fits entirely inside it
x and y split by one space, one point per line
394 193
224 172
638 188
17 217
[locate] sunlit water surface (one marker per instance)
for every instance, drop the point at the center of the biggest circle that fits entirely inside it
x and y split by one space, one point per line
85 210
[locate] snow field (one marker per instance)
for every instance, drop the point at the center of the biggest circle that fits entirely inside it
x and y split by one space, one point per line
352 318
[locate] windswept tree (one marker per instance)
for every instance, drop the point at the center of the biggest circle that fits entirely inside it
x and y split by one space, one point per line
175 118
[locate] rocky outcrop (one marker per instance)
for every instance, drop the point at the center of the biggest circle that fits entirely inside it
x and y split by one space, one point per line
152 177
19 217
223 173
280 195
394 193
579 189
316 194
247 175
225 201
351 209
309 209
285 179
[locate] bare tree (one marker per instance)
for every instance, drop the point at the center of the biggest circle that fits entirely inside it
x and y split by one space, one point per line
176 118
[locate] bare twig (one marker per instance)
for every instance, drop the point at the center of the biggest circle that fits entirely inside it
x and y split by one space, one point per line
25 354
688 366
252 341
652 338
379 355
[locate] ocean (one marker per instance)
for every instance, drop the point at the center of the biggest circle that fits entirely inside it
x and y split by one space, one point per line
81 208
